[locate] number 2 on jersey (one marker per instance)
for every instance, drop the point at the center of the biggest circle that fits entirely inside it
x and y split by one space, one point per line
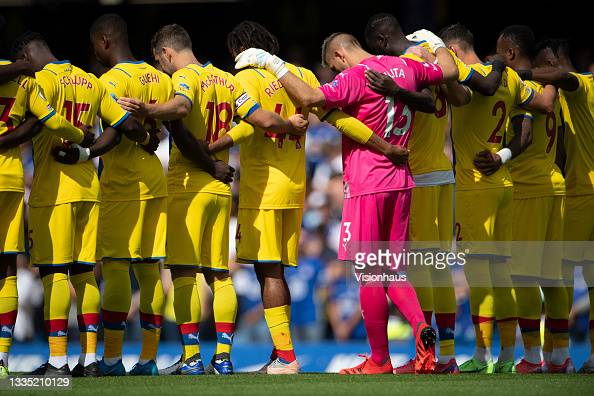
495 137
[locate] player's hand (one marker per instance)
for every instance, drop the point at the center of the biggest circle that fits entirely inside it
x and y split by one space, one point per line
299 124
421 53
25 67
256 57
223 172
71 155
134 106
89 136
431 38
381 83
398 155
153 143
487 162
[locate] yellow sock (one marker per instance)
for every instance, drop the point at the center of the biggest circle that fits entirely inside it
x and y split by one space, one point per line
56 294
88 302
9 305
152 300
186 303
483 315
117 294
278 321
225 311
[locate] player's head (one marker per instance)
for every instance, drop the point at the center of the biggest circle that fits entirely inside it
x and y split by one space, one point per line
458 38
552 52
168 43
250 34
515 43
108 33
381 30
32 47
339 51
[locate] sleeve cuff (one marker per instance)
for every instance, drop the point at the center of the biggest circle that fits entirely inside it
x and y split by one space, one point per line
47 117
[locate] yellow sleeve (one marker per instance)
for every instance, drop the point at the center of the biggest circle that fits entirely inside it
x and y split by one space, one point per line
241 132
46 114
524 93
116 85
349 126
582 87
464 71
182 84
244 104
109 110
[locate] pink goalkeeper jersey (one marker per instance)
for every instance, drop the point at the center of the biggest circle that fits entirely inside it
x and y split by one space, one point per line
365 171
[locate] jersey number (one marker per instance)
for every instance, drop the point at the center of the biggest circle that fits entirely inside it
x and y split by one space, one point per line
74 111
391 128
551 127
495 137
280 137
7 104
222 122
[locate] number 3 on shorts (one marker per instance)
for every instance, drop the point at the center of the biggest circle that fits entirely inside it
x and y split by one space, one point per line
347 233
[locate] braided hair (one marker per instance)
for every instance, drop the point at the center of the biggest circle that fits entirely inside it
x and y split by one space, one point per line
249 34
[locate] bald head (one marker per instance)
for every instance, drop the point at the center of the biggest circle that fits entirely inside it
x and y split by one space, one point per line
338 48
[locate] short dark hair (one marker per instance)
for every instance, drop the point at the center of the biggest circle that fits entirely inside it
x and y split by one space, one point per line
379 21
560 47
328 40
250 34
25 39
522 36
173 36
457 32
110 23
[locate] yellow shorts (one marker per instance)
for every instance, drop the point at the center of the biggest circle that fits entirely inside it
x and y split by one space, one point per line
537 232
198 230
132 230
63 234
579 228
268 236
484 221
432 216
12 222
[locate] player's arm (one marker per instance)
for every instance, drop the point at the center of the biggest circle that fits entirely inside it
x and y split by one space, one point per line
174 109
561 154
13 70
197 152
488 85
542 101
21 134
552 75
239 133
445 60
421 101
270 121
488 163
75 154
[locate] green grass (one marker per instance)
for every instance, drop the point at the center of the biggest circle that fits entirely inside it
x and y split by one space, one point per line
326 384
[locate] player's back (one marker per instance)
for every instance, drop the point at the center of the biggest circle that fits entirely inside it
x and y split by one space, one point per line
578 113
216 98
129 171
535 173
273 165
76 95
481 124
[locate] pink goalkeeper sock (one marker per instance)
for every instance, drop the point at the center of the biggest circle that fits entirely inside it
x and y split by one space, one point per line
403 296
374 308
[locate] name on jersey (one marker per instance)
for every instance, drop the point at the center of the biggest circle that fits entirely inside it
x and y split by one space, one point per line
148 78
395 72
273 87
76 80
218 80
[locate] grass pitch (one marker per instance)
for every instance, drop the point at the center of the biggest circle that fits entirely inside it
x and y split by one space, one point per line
331 384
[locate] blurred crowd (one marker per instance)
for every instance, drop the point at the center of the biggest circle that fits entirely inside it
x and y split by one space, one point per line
325 297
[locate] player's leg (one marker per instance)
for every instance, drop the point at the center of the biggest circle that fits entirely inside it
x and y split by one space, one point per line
394 215
504 299
51 235
443 286
187 215
361 222
82 277
152 223
588 271
12 231
214 264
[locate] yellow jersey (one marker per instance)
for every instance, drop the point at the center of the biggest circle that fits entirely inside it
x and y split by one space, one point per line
17 97
216 98
481 125
578 114
272 165
79 97
534 172
427 140
129 172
